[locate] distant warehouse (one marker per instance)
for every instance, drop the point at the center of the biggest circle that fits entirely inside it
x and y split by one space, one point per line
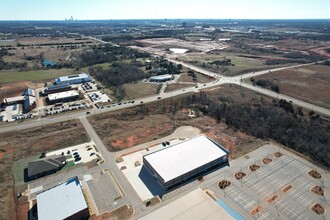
161 78
63 96
173 165
73 79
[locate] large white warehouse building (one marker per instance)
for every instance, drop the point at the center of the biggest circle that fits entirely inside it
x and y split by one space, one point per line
173 165
73 79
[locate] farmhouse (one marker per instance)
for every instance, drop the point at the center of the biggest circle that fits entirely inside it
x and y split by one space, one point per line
184 161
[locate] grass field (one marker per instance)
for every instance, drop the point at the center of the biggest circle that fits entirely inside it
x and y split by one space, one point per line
9 76
141 89
18 169
241 64
310 83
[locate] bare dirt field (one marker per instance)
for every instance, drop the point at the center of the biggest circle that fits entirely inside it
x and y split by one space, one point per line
310 83
177 43
19 144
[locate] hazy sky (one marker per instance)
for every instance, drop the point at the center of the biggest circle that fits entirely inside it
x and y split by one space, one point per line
146 9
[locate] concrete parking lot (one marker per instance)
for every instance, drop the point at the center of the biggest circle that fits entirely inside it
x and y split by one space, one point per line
105 192
86 152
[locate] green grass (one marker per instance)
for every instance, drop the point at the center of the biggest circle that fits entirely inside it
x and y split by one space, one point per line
68 165
10 76
18 169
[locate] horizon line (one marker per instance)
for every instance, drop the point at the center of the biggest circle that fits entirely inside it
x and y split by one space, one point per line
128 19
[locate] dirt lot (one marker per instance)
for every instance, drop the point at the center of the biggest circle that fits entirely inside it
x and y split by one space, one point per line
31 142
310 83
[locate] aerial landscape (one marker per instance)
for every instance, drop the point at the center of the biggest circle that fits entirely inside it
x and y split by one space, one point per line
164 110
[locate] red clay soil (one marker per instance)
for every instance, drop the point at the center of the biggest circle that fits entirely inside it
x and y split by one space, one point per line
254 167
239 175
256 210
278 154
266 160
318 190
318 209
287 188
315 174
13 89
272 198
133 140
22 211
224 184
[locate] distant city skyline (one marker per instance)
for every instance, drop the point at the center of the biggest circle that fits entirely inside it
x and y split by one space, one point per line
157 9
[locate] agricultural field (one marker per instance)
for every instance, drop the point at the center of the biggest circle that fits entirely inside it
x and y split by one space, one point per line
309 83
29 142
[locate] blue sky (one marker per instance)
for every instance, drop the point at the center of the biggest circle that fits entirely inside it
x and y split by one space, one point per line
149 9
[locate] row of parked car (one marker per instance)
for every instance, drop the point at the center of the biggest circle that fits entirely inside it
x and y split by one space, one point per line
57 110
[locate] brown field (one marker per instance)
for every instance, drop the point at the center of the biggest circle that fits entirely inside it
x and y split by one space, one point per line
310 83
176 86
25 143
200 78
141 89
143 123
49 40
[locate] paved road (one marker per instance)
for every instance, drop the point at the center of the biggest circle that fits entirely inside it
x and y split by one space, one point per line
222 80
109 163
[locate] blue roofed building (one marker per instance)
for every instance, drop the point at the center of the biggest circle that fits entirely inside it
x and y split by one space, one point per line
29 92
73 79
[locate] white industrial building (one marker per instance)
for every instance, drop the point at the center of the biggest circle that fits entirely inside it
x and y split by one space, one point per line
161 78
63 96
181 162
73 79
65 201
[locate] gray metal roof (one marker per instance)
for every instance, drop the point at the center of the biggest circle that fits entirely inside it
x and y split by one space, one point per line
61 201
45 164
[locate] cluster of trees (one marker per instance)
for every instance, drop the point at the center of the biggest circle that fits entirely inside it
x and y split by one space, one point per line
10 65
279 121
107 53
118 75
163 66
193 75
310 136
224 62
266 84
